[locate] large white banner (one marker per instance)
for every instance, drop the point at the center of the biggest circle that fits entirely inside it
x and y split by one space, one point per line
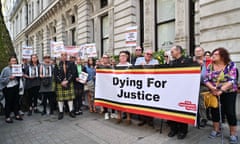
169 93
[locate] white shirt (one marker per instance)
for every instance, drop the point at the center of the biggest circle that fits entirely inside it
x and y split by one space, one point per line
126 64
12 83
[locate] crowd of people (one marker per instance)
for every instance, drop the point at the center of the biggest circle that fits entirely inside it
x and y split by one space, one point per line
58 82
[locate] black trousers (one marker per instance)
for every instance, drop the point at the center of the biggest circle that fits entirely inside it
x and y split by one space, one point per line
77 102
33 94
50 97
11 100
228 102
178 127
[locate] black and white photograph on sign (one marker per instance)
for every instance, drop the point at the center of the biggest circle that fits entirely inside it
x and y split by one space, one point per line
47 71
33 71
17 70
83 77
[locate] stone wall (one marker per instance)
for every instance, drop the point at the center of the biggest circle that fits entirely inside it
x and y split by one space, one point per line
220 25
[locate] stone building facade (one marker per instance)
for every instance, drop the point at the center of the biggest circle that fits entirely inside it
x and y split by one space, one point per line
161 24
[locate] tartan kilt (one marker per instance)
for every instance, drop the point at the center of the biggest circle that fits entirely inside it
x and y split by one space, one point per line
65 94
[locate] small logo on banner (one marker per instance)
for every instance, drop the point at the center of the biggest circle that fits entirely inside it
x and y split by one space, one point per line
188 105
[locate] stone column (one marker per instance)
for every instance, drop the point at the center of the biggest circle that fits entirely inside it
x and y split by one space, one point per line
60 26
149 25
82 22
110 49
182 24
46 41
35 45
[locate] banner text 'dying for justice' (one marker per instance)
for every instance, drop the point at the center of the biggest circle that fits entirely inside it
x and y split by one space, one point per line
162 92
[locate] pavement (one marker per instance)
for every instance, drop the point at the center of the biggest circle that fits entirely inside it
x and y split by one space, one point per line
91 128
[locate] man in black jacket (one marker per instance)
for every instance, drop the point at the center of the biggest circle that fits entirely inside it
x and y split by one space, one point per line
64 74
78 87
177 127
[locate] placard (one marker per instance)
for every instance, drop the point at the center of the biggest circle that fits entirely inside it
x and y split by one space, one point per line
17 70
27 51
131 36
57 48
91 50
33 71
72 50
83 77
47 70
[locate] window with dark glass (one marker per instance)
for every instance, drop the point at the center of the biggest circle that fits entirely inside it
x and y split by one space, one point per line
104 33
54 29
165 24
104 3
55 39
73 32
72 19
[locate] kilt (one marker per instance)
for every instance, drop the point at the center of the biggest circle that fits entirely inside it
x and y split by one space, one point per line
63 93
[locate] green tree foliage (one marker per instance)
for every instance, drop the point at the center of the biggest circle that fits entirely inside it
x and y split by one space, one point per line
6 46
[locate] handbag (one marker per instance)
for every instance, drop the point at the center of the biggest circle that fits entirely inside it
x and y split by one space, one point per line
210 100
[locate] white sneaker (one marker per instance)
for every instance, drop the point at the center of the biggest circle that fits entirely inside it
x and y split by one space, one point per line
114 115
106 116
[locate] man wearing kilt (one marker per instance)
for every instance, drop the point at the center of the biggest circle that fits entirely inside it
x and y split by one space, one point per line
65 74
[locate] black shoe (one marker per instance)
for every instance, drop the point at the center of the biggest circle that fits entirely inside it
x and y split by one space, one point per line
77 113
80 112
43 113
172 133
51 113
19 118
203 123
71 114
9 120
182 135
36 111
60 115
29 113
142 123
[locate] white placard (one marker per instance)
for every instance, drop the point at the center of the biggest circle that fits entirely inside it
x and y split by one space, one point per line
57 48
17 70
91 50
83 77
27 51
72 50
131 36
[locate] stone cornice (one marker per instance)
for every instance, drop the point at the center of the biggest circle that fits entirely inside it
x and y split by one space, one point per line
46 13
16 7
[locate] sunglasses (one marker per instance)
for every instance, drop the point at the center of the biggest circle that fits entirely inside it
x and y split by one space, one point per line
165 56
138 50
149 54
